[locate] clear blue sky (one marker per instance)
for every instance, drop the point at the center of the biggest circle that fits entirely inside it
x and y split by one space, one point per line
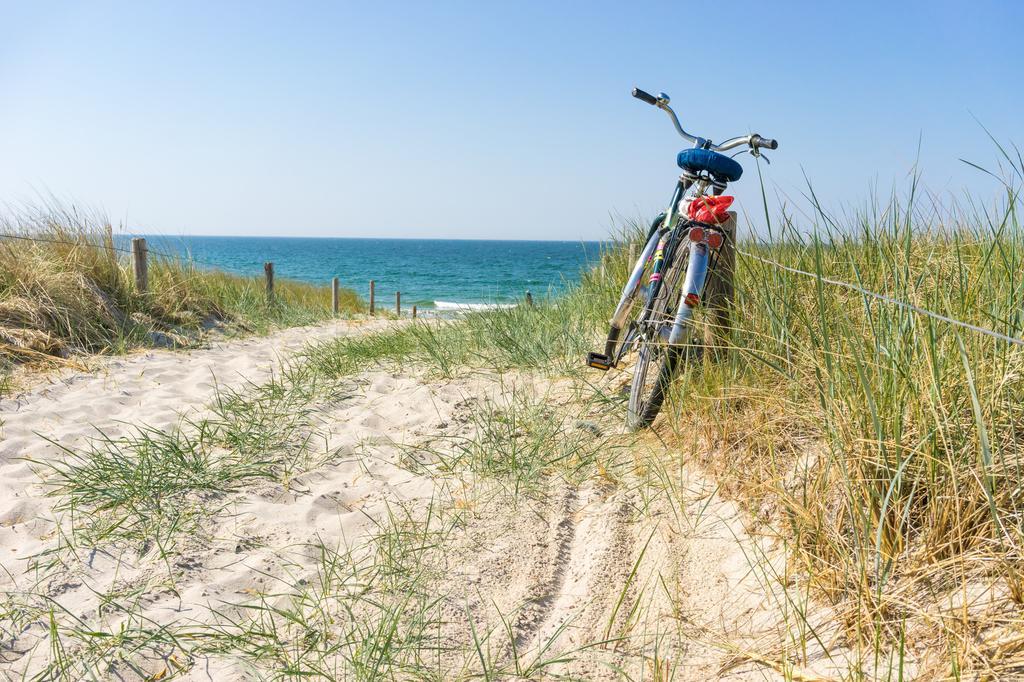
472 119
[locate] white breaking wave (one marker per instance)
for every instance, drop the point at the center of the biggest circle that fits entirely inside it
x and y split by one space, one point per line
449 305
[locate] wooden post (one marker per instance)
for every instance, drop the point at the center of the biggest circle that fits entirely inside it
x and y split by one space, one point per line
720 293
529 298
398 303
371 297
632 256
108 242
268 272
334 295
139 265
414 312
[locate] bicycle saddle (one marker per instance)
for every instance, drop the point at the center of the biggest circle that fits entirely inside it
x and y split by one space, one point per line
721 167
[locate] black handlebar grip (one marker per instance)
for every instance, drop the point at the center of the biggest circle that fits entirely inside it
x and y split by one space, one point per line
764 142
646 97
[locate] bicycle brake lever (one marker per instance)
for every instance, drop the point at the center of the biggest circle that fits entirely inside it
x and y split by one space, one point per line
756 153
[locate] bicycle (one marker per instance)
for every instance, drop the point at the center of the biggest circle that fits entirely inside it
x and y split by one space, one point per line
678 247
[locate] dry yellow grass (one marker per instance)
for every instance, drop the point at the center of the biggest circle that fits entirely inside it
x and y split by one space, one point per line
66 288
883 447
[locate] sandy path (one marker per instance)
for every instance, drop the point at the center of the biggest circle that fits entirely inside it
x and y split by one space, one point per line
659 581
154 388
583 578
257 540
640 577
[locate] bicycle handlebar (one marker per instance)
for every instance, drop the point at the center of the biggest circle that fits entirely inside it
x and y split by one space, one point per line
755 141
763 142
646 97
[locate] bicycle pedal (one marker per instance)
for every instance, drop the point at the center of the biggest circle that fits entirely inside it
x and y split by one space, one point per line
599 361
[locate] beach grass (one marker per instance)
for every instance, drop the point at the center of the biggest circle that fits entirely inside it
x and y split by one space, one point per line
881 444
67 289
361 614
153 488
520 442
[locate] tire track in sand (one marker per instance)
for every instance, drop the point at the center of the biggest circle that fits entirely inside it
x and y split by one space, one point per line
572 602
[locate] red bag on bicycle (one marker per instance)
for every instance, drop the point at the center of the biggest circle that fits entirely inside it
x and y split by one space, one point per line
713 210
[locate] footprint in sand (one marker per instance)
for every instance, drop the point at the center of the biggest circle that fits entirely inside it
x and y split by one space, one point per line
332 503
382 386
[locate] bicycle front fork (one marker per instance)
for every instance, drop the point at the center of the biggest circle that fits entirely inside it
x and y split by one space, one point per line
693 286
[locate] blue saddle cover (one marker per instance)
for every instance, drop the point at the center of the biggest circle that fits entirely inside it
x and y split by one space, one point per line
721 167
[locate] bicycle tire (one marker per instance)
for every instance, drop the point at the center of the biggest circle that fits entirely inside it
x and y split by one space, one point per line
645 401
642 415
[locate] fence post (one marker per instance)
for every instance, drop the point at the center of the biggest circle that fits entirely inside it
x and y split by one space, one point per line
108 242
414 312
398 303
334 295
632 256
268 272
721 291
529 298
371 297
139 265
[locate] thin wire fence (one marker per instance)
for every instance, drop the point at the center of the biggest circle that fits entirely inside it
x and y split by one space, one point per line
887 299
884 298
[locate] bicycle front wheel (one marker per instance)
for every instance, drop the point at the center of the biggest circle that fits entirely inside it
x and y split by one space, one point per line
657 360
655 368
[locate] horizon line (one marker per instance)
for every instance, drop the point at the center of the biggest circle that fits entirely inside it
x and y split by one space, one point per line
436 239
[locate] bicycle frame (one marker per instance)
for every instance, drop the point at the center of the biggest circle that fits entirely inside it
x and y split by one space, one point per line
697 267
632 286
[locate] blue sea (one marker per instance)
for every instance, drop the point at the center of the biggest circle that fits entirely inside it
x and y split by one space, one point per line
440 274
